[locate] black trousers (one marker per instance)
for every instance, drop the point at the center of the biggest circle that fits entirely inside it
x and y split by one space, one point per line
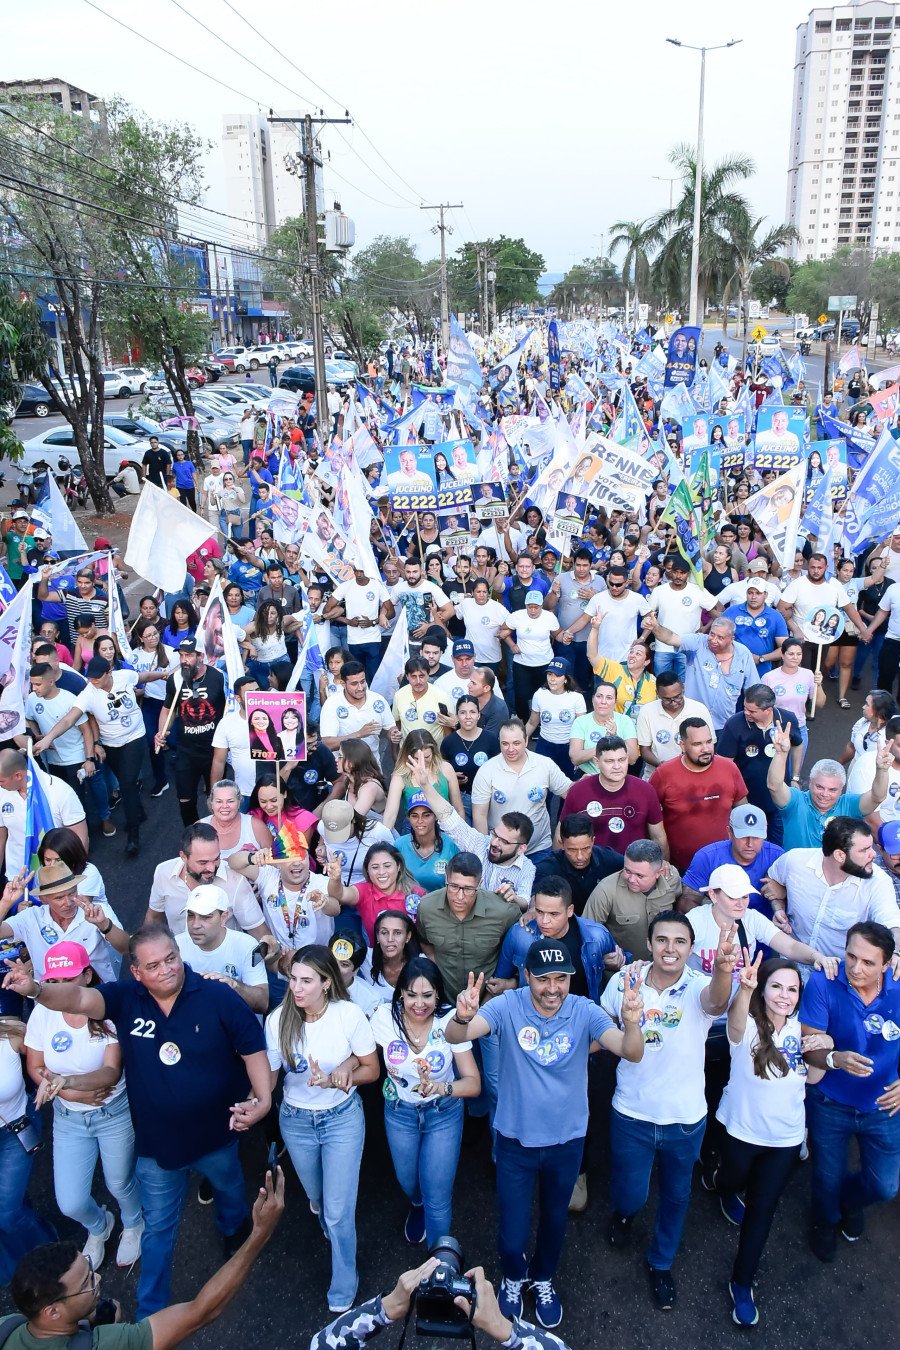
527 680
889 664
760 1173
127 762
190 772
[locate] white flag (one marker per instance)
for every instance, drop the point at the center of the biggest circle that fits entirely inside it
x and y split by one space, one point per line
162 537
776 509
15 662
387 676
53 513
217 638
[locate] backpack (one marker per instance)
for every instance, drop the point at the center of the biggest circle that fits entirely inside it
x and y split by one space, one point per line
82 1339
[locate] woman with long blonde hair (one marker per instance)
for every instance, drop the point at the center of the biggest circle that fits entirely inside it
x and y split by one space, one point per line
401 788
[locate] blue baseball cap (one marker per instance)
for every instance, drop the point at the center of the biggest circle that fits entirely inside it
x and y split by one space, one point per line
534 598
889 836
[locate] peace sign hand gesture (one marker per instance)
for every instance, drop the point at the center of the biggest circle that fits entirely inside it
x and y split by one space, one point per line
469 1000
727 951
750 973
632 1002
782 740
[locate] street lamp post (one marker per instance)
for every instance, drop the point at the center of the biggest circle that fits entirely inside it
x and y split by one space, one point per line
695 318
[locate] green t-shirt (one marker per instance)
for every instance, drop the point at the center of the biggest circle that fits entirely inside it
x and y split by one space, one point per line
114 1336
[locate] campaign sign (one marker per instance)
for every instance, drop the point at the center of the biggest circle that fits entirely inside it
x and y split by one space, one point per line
408 474
781 435
277 724
489 501
823 625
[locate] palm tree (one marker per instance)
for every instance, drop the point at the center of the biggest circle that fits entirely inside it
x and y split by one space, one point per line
748 251
632 236
671 231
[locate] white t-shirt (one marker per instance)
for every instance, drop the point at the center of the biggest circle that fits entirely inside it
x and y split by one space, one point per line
117 712
342 1030
806 595
526 791
233 734
361 602
891 603
452 687
619 627
658 731
67 748
69 1050
680 610
557 713
233 956
65 808
757 928
162 659
290 914
342 719
667 1086
482 625
402 1060
419 609
766 1111
533 636
13 1098
37 928
736 592
366 995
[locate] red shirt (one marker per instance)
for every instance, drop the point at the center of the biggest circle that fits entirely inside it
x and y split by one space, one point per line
372 901
197 559
618 817
696 806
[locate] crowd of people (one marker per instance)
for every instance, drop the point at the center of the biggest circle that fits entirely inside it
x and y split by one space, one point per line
582 823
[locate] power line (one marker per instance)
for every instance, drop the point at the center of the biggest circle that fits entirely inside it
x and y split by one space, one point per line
218 37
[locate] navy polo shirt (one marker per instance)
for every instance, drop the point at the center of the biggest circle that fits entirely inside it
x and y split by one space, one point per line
871 1029
707 859
183 1071
752 751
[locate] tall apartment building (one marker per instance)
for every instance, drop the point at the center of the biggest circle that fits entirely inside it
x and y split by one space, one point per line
844 160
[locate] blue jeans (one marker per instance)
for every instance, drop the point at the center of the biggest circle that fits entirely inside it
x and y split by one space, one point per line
309 683
831 1127
163 1190
555 1169
634 1147
78 1138
670 661
326 1150
370 655
424 1143
869 649
150 713
261 670
21 1227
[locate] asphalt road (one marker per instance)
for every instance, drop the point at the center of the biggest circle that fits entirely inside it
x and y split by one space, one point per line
853 1303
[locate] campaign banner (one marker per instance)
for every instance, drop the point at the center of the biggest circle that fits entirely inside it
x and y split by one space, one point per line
714 461
680 513
724 434
829 458
614 495
873 505
553 357
776 510
409 477
489 501
781 435
620 462
569 513
456 538
886 402
277 725
462 364
681 357
823 625
455 467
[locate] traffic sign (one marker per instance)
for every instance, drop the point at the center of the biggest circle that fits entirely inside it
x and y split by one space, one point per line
754 309
823 318
842 302
759 333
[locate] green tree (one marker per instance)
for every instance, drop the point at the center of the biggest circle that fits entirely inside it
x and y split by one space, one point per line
593 281
286 271
24 354
771 282
517 268
886 289
749 248
389 275
632 236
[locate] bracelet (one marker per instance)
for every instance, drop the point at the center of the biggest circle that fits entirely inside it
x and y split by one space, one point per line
104 932
39 986
459 1021
448 1089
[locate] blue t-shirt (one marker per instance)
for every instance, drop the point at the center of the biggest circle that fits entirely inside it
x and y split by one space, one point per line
707 859
245 575
871 1029
183 470
431 872
183 1071
804 825
543 1066
757 632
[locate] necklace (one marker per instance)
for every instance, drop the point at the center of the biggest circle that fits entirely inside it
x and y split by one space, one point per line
418 1042
310 1017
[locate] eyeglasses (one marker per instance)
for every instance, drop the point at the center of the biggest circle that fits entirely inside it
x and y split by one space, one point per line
510 843
92 1282
461 890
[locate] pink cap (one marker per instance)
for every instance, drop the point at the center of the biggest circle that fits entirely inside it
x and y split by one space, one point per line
65 961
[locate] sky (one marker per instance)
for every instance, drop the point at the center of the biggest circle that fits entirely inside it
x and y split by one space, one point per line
546 123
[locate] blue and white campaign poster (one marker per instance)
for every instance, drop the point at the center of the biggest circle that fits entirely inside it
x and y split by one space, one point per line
681 356
831 455
780 440
409 475
553 357
455 466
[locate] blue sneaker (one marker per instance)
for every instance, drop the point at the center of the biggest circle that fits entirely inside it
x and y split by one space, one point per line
733 1207
509 1297
745 1311
547 1307
414 1228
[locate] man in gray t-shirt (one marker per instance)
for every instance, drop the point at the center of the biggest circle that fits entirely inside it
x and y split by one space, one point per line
568 598
544 1036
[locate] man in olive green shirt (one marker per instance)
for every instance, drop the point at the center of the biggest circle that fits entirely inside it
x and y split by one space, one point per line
461 926
626 901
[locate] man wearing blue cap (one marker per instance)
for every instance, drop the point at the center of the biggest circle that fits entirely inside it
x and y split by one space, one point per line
747 846
452 684
887 855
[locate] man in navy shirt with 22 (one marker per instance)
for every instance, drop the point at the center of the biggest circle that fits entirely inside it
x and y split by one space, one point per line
859 1097
189 1046
747 846
545 1036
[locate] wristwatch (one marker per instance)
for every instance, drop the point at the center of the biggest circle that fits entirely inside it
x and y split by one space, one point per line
829 1060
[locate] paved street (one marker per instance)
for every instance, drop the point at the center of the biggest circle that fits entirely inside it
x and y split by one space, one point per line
803 1303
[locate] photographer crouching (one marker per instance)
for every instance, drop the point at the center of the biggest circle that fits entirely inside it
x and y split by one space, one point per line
447 1303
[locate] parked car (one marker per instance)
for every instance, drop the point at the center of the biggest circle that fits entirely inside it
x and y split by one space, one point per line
213 368
173 438
117 385
297 351
56 442
850 329
137 376
298 379
36 400
215 432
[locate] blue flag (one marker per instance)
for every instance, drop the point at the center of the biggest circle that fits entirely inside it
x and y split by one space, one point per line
873 504
462 363
38 816
553 356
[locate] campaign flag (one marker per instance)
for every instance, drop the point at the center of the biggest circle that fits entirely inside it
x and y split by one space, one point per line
353 492
162 537
38 818
652 364
387 677
309 653
797 367
859 443
886 402
51 511
719 387
851 360
462 363
8 591
700 391
217 637
818 518
629 423
873 505
776 509
681 357
577 389
677 404
12 621
777 368
500 373
553 356
116 617
681 515
702 495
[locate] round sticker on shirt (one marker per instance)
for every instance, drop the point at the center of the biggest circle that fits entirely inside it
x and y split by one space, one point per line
799 688
460 760
663 737
411 901
342 950
546 717
378 705
616 825
60 1042
49 934
370 595
594 809
890 1031
396 1052
410 714
565 716
436 1061
479 758
311 776
343 712
499 797
760 623
169 1053
536 794
751 751
429 717
528 1038
39 707
770 751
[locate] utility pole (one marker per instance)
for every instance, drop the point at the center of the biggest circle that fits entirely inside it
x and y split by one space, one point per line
311 162
219 305
443 229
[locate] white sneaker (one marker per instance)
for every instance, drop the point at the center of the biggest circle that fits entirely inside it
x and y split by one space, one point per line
95 1247
129 1248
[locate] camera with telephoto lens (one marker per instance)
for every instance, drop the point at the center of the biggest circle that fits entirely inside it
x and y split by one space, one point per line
436 1313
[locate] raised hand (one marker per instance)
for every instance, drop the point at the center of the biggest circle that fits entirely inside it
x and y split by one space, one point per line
782 740
469 999
20 978
316 1077
750 973
14 890
93 912
727 951
883 757
418 769
334 869
632 1003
